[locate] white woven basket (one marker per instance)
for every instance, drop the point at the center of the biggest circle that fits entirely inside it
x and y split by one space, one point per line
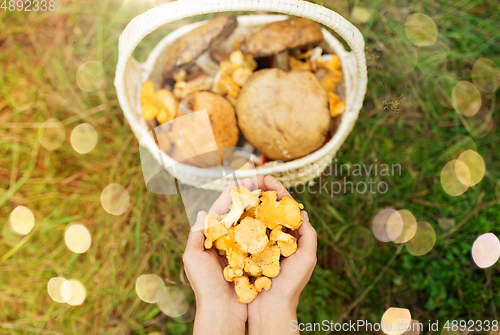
130 75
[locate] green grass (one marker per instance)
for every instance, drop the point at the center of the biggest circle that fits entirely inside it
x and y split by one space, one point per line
39 58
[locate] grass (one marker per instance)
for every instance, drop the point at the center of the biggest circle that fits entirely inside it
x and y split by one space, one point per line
39 58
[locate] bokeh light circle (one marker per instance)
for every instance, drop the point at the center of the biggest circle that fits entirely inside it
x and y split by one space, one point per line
54 289
150 288
73 292
84 138
115 199
475 166
22 220
361 242
466 98
409 225
361 14
455 178
386 230
175 303
77 238
486 250
421 30
51 134
90 76
423 241
485 75
395 319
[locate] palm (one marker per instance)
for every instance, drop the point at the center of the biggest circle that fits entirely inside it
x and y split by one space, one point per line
290 279
210 266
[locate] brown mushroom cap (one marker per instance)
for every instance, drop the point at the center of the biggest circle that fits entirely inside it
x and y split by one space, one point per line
278 36
283 114
187 48
192 138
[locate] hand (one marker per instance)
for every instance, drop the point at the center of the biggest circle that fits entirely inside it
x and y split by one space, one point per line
271 312
217 310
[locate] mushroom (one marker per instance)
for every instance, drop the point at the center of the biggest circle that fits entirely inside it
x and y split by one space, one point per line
192 137
245 291
275 37
233 73
280 60
207 64
187 48
266 262
337 106
230 274
278 110
286 242
161 104
241 199
286 212
251 236
332 64
199 82
262 283
213 229
235 256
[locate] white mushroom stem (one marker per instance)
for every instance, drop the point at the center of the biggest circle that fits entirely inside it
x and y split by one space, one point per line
280 60
207 64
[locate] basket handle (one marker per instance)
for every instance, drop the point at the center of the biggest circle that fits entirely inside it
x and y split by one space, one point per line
152 19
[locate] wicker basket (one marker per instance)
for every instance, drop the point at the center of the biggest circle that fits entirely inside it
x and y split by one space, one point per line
130 75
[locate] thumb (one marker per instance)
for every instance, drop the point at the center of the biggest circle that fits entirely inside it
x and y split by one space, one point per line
196 237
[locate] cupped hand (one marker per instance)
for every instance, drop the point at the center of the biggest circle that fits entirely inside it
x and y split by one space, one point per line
271 312
217 308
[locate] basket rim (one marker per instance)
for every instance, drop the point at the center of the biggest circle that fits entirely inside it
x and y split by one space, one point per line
275 166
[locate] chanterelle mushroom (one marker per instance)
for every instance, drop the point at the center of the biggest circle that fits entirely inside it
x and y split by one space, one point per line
278 36
262 283
230 274
278 110
241 198
245 291
187 48
250 234
266 262
235 256
285 212
286 242
213 229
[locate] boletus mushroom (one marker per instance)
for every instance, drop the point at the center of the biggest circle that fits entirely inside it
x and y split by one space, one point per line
192 138
187 48
284 114
275 37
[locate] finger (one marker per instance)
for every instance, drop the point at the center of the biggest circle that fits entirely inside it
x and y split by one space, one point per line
274 185
196 239
308 239
221 205
259 181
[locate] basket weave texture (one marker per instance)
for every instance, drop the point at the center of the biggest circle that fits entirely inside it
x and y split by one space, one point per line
130 75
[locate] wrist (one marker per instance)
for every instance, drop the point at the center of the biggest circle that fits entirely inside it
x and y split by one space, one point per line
272 318
217 318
